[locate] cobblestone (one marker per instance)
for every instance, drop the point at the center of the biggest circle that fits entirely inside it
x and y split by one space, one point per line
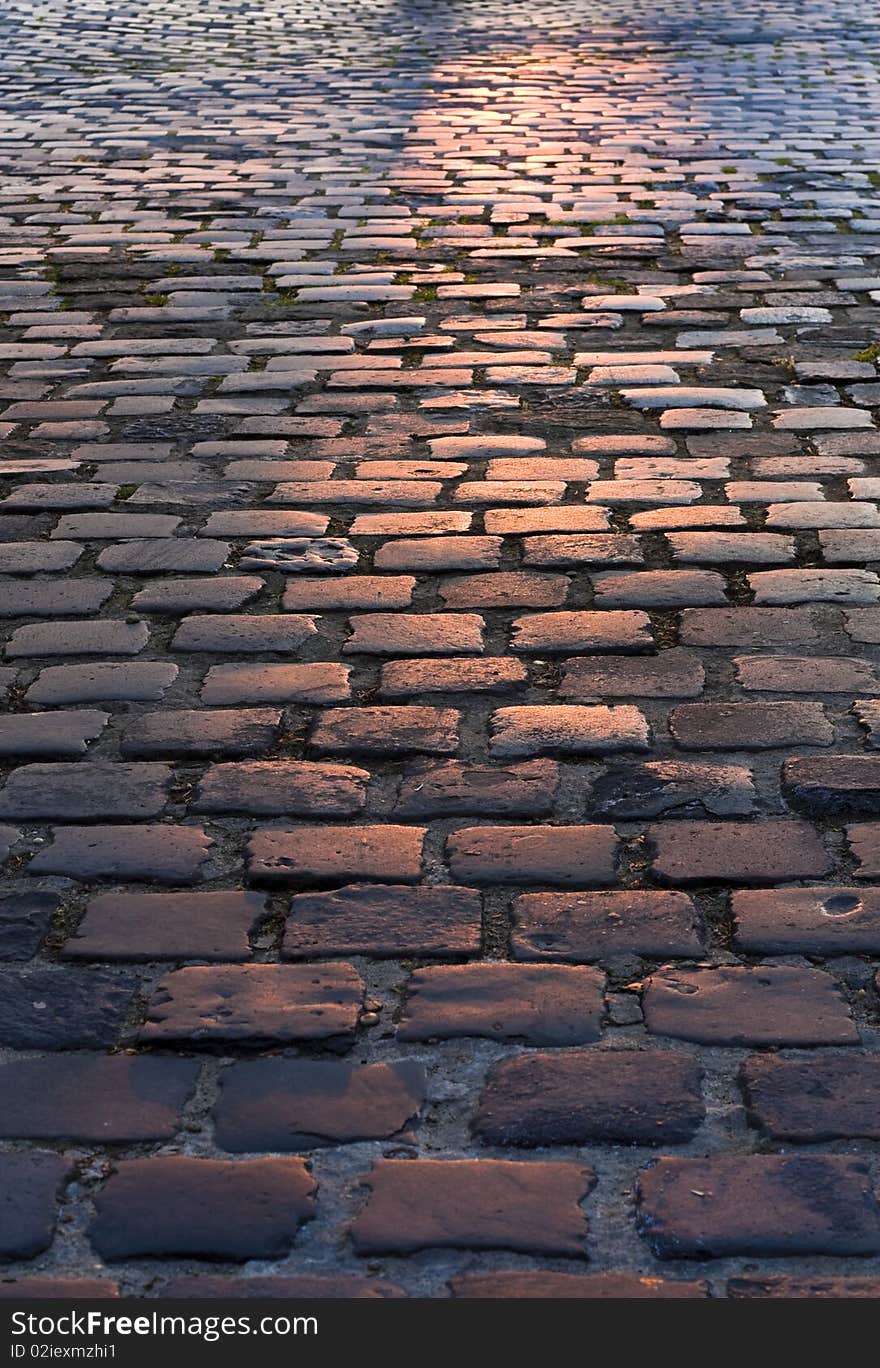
439 550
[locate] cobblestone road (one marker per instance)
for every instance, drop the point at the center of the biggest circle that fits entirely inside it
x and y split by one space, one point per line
440 768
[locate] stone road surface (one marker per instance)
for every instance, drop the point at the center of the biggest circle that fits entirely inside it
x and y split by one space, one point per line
440 521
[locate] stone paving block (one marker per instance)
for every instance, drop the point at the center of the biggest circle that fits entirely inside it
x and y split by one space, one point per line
597 926
326 854
386 730
34 598
568 729
760 1204
49 1009
813 1099
25 916
737 852
473 1204
78 638
282 1104
30 1186
823 919
136 682
671 788
366 591
182 596
672 674
741 627
864 843
735 1005
307 683
38 1288
452 674
203 1208
804 674
582 856
160 854
284 788
304 1286
158 926
514 1284
801 1288
749 726
422 634
242 633
586 632
646 1097
184 731
387 922
92 790
94 1099
456 789
261 1002
542 1004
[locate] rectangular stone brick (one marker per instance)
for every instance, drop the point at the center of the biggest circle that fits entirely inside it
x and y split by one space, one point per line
452 674
316 682
737 852
291 1104
361 591
385 922
794 1288
747 626
415 634
671 674
291 788
255 1002
243 633
504 589
864 842
515 1284
758 1204
596 926
158 926
389 730
644 1097
542 1004
825 1098
806 674
473 1204
327 854
567 729
733 1005
159 854
80 792
451 788
94 1099
579 856
621 630
198 731
31 1185
822 920
749 726
174 1205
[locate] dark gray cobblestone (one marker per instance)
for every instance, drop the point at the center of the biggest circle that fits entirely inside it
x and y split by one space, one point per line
439 551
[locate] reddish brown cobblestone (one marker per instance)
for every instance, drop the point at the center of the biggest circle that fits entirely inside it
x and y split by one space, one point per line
474 1204
439 546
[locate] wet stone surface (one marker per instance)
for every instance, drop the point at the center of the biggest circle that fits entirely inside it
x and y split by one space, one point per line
439 545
